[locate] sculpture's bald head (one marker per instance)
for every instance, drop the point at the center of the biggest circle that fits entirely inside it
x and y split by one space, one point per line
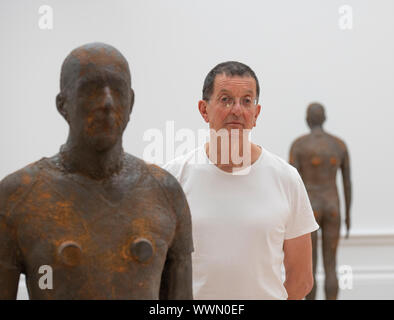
95 96
87 58
315 115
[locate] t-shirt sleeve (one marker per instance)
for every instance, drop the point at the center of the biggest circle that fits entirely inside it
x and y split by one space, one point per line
301 219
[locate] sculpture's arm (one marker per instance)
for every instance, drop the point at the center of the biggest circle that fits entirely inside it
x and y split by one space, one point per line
10 266
347 186
293 157
176 280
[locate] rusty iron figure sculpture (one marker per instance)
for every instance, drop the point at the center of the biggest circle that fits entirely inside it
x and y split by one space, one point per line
318 156
109 225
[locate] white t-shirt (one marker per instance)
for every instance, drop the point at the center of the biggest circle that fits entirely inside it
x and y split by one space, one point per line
240 222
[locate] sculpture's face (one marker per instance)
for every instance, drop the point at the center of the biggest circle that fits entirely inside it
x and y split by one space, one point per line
100 100
315 115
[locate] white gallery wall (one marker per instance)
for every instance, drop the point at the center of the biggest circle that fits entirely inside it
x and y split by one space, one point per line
300 50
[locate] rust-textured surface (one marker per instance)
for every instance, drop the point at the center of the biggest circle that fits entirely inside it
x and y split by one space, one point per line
109 225
318 156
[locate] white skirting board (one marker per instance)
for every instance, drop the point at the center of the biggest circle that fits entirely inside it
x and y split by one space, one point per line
369 256
365 262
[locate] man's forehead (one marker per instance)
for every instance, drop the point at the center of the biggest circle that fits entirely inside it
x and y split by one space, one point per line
224 82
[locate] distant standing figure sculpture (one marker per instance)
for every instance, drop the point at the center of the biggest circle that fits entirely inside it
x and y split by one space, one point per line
109 225
318 156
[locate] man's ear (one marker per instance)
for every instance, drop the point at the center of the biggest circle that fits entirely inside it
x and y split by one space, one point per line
258 109
60 104
202 107
131 100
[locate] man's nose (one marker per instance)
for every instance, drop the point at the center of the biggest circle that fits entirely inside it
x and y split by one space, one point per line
108 99
237 108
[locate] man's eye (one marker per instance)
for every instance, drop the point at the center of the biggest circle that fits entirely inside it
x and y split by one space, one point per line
247 102
224 99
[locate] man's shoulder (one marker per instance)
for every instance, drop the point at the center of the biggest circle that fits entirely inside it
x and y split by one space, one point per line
283 172
279 165
189 157
177 165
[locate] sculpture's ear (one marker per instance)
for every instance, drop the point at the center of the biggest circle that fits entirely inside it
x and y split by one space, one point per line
308 121
60 104
131 100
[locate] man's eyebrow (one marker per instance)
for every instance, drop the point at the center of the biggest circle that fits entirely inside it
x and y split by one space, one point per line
224 91
227 91
249 91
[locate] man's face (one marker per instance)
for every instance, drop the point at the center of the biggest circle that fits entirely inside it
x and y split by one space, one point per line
100 102
232 104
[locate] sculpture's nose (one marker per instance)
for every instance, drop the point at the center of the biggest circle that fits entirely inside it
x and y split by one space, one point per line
108 99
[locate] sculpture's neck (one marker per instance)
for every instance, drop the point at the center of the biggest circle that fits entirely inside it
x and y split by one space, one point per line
85 160
317 129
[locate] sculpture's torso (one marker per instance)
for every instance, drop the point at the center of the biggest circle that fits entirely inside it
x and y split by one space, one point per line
319 156
84 229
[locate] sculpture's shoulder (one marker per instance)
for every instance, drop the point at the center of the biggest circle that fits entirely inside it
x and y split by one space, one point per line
338 141
166 180
19 183
300 141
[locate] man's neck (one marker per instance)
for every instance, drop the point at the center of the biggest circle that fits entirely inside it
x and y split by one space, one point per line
85 160
237 155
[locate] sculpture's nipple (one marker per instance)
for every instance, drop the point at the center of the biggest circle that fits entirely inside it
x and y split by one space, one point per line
70 253
142 249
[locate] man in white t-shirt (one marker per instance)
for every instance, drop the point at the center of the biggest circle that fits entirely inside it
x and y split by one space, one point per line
250 211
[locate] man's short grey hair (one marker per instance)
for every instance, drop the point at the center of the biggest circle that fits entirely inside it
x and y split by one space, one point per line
230 69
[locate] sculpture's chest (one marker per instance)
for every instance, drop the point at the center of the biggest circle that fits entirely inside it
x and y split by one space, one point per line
322 153
66 223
